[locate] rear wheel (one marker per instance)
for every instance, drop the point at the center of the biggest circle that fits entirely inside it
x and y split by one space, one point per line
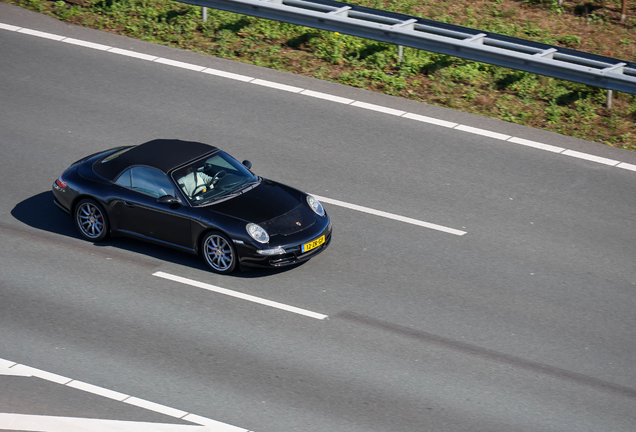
219 253
91 220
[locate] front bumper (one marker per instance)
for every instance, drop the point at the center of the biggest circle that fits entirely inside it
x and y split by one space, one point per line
293 254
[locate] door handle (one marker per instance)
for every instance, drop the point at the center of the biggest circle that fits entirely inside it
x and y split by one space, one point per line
129 204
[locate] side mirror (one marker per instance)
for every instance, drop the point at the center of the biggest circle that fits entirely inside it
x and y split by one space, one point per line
248 164
168 199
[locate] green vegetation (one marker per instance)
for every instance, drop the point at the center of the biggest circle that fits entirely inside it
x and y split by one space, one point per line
519 97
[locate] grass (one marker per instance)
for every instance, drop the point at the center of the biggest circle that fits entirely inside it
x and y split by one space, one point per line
519 97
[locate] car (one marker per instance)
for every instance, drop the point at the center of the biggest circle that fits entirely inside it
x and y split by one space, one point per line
196 198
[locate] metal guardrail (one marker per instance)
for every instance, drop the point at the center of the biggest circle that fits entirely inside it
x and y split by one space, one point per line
453 40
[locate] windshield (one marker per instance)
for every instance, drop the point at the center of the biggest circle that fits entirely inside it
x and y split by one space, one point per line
212 178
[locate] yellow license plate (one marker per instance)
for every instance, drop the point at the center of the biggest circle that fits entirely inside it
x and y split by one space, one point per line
313 244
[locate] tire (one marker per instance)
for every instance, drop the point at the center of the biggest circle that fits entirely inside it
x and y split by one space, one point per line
219 252
91 220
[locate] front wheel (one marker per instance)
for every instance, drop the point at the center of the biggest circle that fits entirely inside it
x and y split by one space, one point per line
91 220
219 253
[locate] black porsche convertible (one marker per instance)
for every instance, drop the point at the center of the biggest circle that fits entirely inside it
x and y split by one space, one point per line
193 197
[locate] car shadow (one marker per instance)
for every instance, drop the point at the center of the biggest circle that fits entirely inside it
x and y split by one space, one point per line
40 212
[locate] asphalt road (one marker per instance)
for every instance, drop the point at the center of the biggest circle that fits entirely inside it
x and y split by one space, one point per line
524 323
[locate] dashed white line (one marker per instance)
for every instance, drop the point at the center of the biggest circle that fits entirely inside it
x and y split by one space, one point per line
325 96
391 216
240 295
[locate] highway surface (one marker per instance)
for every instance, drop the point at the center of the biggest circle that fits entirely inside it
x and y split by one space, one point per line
517 314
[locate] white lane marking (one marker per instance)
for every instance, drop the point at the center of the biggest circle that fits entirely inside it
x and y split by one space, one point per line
86 44
229 75
133 54
277 86
589 157
391 216
16 369
101 391
216 426
483 132
141 403
431 120
43 423
537 145
41 34
9 27
627 166
41 374
180 64
379 108
7 370
327 96
239 295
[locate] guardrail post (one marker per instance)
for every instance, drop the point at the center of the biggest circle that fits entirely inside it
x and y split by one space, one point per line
609 99
400 51
204 14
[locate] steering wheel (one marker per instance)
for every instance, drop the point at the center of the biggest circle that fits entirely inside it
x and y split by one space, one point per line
218 176
199 189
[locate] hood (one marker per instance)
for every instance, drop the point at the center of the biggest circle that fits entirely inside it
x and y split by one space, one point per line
266 201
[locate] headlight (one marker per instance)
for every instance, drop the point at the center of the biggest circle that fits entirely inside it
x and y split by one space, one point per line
315 205
257 233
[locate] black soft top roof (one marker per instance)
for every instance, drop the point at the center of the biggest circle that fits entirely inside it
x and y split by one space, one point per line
162 154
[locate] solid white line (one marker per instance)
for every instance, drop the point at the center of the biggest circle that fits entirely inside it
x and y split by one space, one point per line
41 374
535 144
141 403
9 27
65 424
277 86
590 157
229 75
41 34
5 364
431 120
378 108
217 426
627 166
133 54
90 388
239 295
483 132
45 423
86 44
327 96
179 64
391 216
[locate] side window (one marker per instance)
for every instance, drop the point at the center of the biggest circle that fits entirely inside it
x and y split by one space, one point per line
150 181
124 179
